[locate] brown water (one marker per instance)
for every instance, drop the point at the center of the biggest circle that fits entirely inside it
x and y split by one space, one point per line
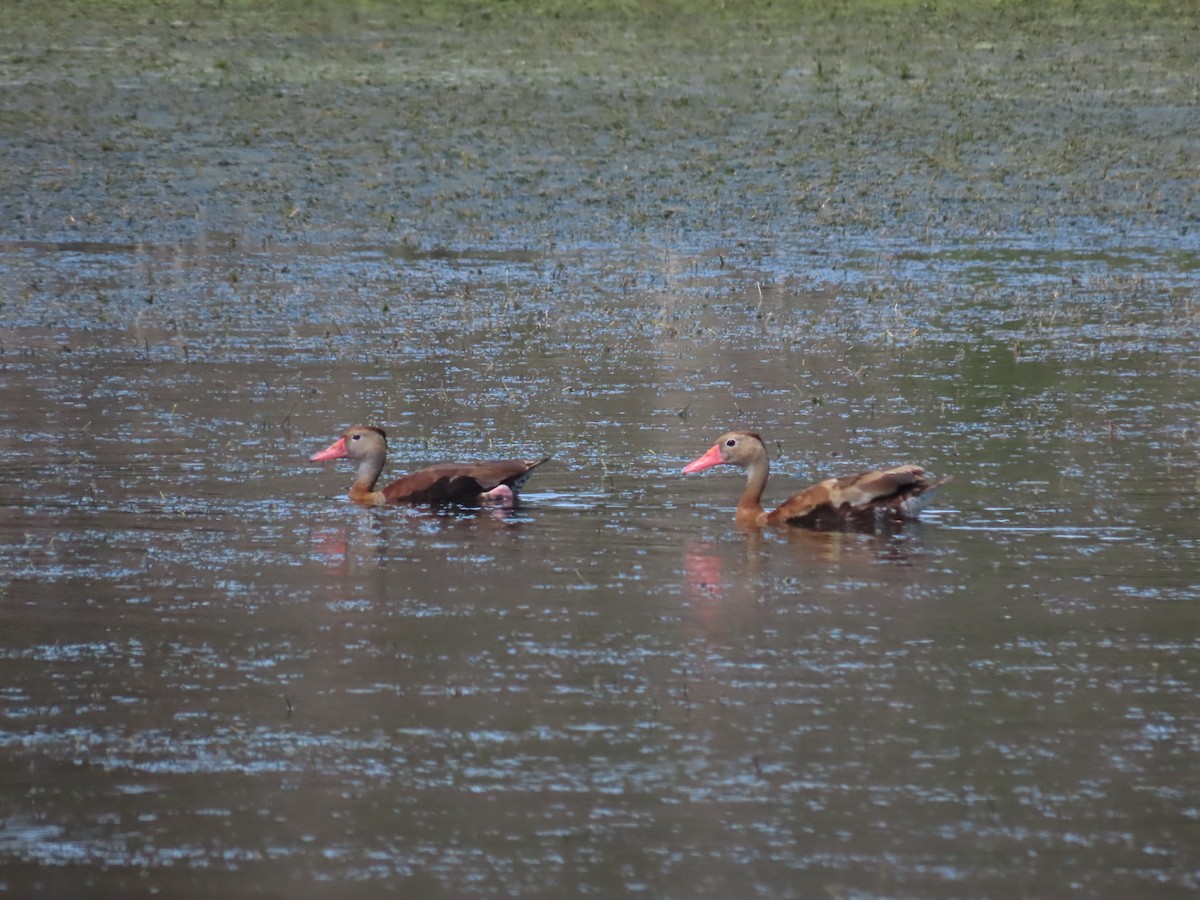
582 236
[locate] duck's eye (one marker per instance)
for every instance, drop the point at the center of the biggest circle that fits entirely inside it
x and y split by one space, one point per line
355 437
732 442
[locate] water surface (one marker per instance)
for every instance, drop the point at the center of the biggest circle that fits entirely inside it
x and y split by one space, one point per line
871 241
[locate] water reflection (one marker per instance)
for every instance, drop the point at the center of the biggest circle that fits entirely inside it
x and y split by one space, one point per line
893 546
724 579
370 537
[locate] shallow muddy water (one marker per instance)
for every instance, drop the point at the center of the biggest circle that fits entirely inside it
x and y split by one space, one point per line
970 246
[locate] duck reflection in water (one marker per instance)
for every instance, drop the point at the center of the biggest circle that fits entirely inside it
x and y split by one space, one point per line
738 580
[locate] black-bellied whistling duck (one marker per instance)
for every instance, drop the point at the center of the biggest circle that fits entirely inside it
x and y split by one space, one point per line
492 482
861 500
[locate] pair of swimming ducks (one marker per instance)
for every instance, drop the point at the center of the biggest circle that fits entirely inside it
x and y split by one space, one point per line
865 499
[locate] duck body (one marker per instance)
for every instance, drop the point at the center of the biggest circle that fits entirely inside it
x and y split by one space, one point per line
475 483
860 501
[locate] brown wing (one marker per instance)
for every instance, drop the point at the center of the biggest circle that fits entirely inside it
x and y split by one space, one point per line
870 487
811 502
896 493
459 482
513 472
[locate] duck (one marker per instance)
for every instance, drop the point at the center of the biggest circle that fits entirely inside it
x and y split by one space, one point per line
865 500
491 482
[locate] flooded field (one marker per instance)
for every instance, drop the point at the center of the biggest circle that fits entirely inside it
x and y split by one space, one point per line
877 233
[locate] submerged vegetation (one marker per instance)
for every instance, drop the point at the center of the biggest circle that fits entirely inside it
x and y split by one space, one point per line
551 123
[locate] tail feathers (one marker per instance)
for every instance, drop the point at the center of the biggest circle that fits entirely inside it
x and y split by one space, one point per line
518 481
911 506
